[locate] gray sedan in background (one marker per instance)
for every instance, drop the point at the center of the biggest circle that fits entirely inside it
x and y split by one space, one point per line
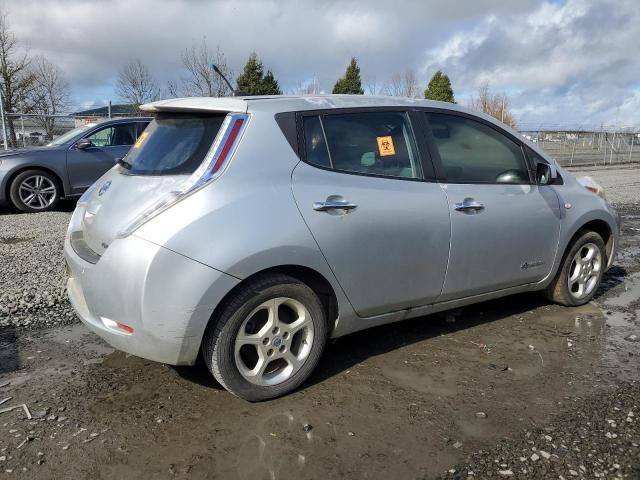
34 180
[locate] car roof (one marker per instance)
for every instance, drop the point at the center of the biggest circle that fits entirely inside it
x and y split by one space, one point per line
121 120
288 103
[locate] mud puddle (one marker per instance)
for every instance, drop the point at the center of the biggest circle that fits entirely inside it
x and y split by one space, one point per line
399 401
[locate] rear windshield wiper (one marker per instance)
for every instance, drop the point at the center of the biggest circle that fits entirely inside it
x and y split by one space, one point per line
123 163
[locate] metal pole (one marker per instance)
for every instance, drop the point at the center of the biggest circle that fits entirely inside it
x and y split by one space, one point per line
4 128
631 147
109 110
24 138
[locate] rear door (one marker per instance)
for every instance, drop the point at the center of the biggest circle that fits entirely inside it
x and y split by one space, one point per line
108 144
383 230
504 228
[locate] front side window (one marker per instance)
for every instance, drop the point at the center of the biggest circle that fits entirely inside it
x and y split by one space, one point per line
115 135
472 152
375 143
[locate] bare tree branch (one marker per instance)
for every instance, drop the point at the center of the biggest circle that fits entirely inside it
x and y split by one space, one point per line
136 85
307 88
16 80
496 105
201 80
50 94
402 85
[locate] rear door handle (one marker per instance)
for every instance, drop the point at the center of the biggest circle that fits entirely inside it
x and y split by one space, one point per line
339 205
469 205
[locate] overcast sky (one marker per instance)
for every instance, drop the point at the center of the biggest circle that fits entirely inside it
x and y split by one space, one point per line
562 62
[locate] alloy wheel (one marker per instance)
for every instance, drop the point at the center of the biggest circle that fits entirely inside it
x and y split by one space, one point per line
37 192
584 271
274 341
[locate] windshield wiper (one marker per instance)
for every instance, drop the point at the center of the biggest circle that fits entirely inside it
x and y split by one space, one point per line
123 163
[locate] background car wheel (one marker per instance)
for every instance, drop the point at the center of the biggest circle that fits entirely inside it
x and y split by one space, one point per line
35 191
267 339
581 271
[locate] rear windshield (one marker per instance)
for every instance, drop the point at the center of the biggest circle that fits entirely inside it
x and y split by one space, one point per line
174 144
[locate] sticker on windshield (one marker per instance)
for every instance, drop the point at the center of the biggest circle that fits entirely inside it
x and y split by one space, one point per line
385 146
143 136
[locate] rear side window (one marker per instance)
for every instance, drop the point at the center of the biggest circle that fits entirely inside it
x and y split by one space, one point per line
472 152
174 144
374 143
314 142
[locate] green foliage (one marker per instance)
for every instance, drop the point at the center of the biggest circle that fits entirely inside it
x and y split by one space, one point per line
270 85
253 81
350 82
439 88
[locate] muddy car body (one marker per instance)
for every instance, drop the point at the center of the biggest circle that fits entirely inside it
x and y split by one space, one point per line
251 230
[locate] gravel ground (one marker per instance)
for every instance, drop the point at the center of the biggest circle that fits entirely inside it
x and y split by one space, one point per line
514 388
598 438
32 270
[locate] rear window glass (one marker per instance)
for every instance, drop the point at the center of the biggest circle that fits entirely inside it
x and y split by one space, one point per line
174 144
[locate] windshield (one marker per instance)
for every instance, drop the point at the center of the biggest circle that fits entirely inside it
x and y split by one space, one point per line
174 144
70 135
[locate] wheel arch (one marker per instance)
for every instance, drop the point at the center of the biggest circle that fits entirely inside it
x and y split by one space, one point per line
602 228
310 277
23 168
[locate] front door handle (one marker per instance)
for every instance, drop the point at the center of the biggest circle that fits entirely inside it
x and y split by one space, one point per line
469 205
333 205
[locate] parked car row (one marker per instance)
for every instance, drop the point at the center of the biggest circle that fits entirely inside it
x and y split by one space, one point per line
251 230
34 180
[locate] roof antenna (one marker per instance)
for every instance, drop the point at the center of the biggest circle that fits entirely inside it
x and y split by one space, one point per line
217 70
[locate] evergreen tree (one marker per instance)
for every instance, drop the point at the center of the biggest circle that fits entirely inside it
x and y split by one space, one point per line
250 80
439 88
350 82
270 85
253 81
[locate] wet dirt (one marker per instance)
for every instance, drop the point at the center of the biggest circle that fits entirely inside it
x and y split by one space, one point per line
398 401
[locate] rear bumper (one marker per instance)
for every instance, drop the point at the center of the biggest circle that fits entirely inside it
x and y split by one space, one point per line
165 297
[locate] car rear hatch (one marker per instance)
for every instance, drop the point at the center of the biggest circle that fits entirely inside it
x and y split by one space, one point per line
179 152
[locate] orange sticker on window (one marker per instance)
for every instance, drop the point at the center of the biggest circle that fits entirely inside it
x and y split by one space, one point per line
385 146
143 136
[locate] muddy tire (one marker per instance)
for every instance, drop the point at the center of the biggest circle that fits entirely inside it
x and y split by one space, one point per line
580 272
35 191
267 338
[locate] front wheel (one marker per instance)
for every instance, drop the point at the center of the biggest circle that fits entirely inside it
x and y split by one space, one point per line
267 339
581 271
34 191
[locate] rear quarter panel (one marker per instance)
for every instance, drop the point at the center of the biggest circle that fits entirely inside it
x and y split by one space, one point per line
246 220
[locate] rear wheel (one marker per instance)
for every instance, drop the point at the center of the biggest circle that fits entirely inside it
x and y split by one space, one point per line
34 191
267 339
581 271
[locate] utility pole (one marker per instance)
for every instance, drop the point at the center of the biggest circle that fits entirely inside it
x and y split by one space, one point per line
4 128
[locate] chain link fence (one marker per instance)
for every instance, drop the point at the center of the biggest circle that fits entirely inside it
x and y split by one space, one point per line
611 146
24 130
603 146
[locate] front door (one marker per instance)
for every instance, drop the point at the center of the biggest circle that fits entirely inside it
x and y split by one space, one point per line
383 230
108 144
504 229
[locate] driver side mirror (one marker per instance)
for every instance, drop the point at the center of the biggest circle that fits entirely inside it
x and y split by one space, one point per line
545 174
84 144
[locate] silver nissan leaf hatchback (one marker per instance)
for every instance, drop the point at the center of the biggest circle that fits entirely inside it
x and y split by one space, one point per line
251 230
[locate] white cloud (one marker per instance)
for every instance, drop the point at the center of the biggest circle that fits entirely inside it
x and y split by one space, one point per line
560 60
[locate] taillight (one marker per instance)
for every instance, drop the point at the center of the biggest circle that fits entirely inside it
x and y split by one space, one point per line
233 134
211 168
